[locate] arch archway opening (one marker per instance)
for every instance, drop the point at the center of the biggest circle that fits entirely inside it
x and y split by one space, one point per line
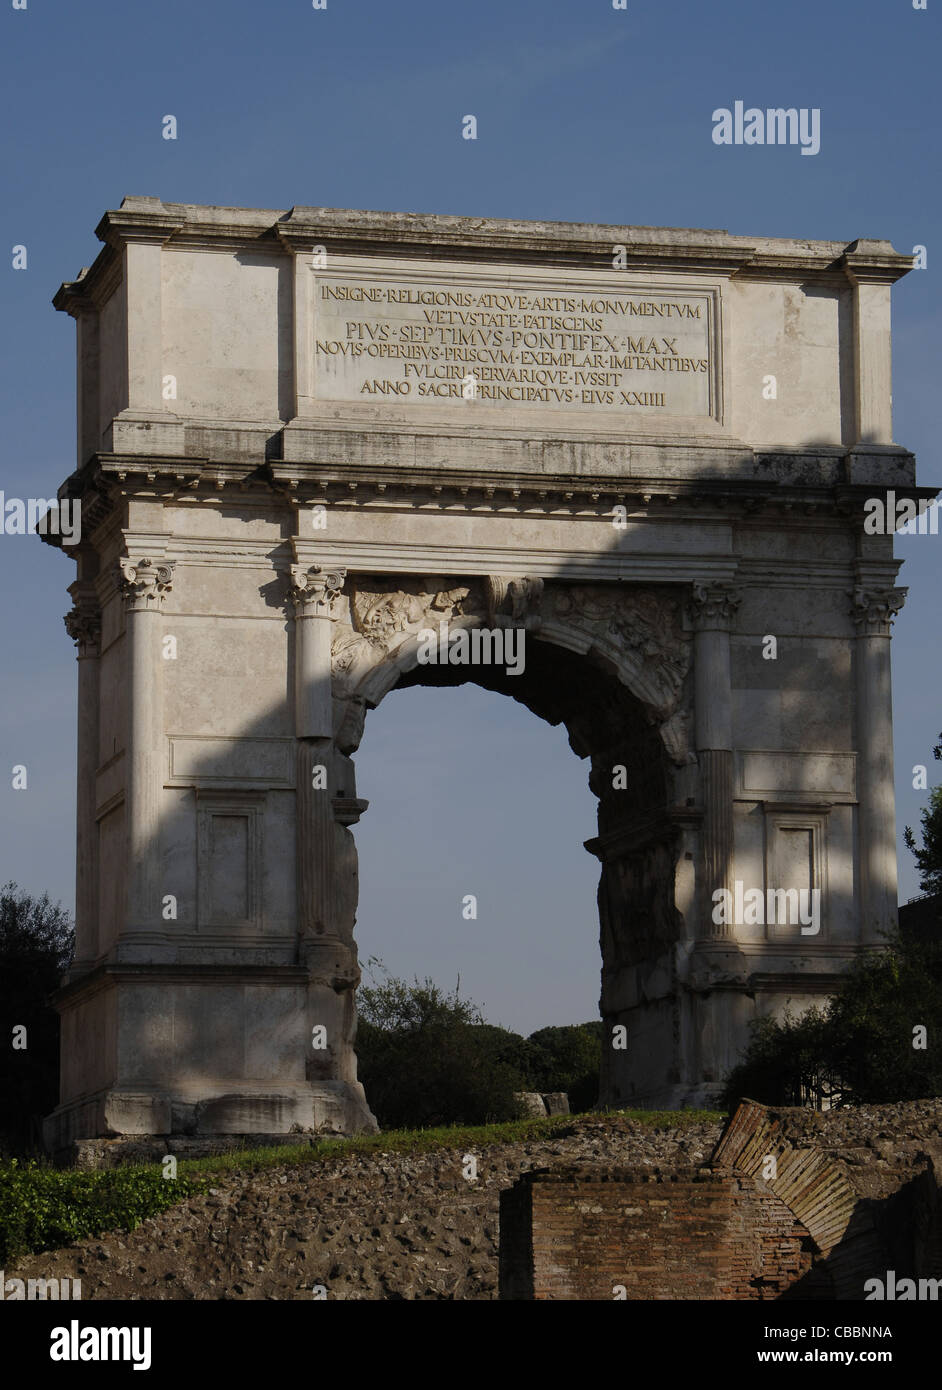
630 774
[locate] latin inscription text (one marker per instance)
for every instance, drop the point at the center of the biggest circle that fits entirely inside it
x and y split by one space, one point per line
637 351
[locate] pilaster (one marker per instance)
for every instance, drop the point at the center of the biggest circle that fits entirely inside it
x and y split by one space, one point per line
713 607
144 585
312 592
83 624
873 610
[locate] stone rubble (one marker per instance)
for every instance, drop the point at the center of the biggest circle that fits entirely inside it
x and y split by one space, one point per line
365 1226
386 1225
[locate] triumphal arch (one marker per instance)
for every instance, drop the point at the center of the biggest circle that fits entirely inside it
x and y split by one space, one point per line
617 473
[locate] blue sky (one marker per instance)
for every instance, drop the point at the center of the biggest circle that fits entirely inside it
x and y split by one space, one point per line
584 114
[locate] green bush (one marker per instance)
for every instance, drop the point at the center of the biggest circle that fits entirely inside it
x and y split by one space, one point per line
438 1073
860 1049
787 1062
35 947
44 1208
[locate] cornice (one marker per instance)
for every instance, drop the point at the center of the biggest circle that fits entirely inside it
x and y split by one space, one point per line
93 287
413 235
140 219
875 262
108 479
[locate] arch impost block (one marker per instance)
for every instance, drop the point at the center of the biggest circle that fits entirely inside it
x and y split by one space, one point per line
348 809
665 825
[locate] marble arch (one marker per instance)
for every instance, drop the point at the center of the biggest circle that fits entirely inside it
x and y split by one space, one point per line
282 468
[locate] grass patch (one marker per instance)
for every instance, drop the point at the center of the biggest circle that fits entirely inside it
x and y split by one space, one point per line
45 1208
430 1140
388 1141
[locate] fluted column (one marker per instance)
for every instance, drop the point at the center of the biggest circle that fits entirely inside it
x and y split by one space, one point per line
313 591
873 611
83 624
713 607
144 584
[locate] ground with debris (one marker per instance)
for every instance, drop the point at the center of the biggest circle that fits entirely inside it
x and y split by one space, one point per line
362 1226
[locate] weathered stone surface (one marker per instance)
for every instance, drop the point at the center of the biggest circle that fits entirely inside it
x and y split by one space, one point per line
530 1104
556 1102
874 1147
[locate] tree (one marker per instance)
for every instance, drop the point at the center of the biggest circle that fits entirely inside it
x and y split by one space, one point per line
427 1057
874 1023
568 1059
786 1063
396 1006
867 1047
929 855
36 942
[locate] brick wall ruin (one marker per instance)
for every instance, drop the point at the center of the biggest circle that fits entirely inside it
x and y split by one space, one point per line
794 1204
586 1233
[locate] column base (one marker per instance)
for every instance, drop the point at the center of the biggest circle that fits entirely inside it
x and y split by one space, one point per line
135 1116
153 1148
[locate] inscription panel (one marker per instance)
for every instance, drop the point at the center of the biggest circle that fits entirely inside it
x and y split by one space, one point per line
638 349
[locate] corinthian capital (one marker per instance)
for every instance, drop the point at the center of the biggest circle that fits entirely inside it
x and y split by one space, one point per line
144 583
713 604
83 624
873 610
314 590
